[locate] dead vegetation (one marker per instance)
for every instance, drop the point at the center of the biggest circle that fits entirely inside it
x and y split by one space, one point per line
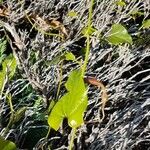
38 34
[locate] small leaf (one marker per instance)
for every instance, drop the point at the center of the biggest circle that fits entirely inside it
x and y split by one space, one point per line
70 56
6 145
72 105
19 114
121 3
85 31
119 35
72 14
146 24
10 63
135 13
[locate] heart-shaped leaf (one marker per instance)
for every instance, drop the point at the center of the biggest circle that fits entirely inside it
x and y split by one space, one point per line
72 105
119 35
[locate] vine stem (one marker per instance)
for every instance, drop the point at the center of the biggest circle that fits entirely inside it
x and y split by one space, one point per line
49 129
72 138
88 39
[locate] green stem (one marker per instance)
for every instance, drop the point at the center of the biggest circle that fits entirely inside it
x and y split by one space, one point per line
60 80
72 138
49 129
88 39
10 103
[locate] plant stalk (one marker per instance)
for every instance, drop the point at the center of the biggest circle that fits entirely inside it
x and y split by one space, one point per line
88 39
72 138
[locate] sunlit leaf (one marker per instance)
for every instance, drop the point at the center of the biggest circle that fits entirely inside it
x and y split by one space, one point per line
119 35
6 145
2 78
146 24
8 68
120 3
72 105
70 56
10 64
85 31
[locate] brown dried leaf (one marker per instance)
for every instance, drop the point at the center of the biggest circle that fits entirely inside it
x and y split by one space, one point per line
45 25
4 12
40 22
104 95
59 26
55 24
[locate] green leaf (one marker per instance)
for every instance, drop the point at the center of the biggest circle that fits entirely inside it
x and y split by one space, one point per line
146 24
70 56
19 114
6 145
1 1
136 12
2 78
10 63
121 3
85 31
72 105
119 35
72 14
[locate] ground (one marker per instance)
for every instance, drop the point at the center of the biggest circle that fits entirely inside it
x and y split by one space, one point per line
38 33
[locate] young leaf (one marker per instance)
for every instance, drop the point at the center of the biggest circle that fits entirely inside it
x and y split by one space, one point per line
120 3
85 31
146 24
70 56
72 105
6 145
72 14
119 35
